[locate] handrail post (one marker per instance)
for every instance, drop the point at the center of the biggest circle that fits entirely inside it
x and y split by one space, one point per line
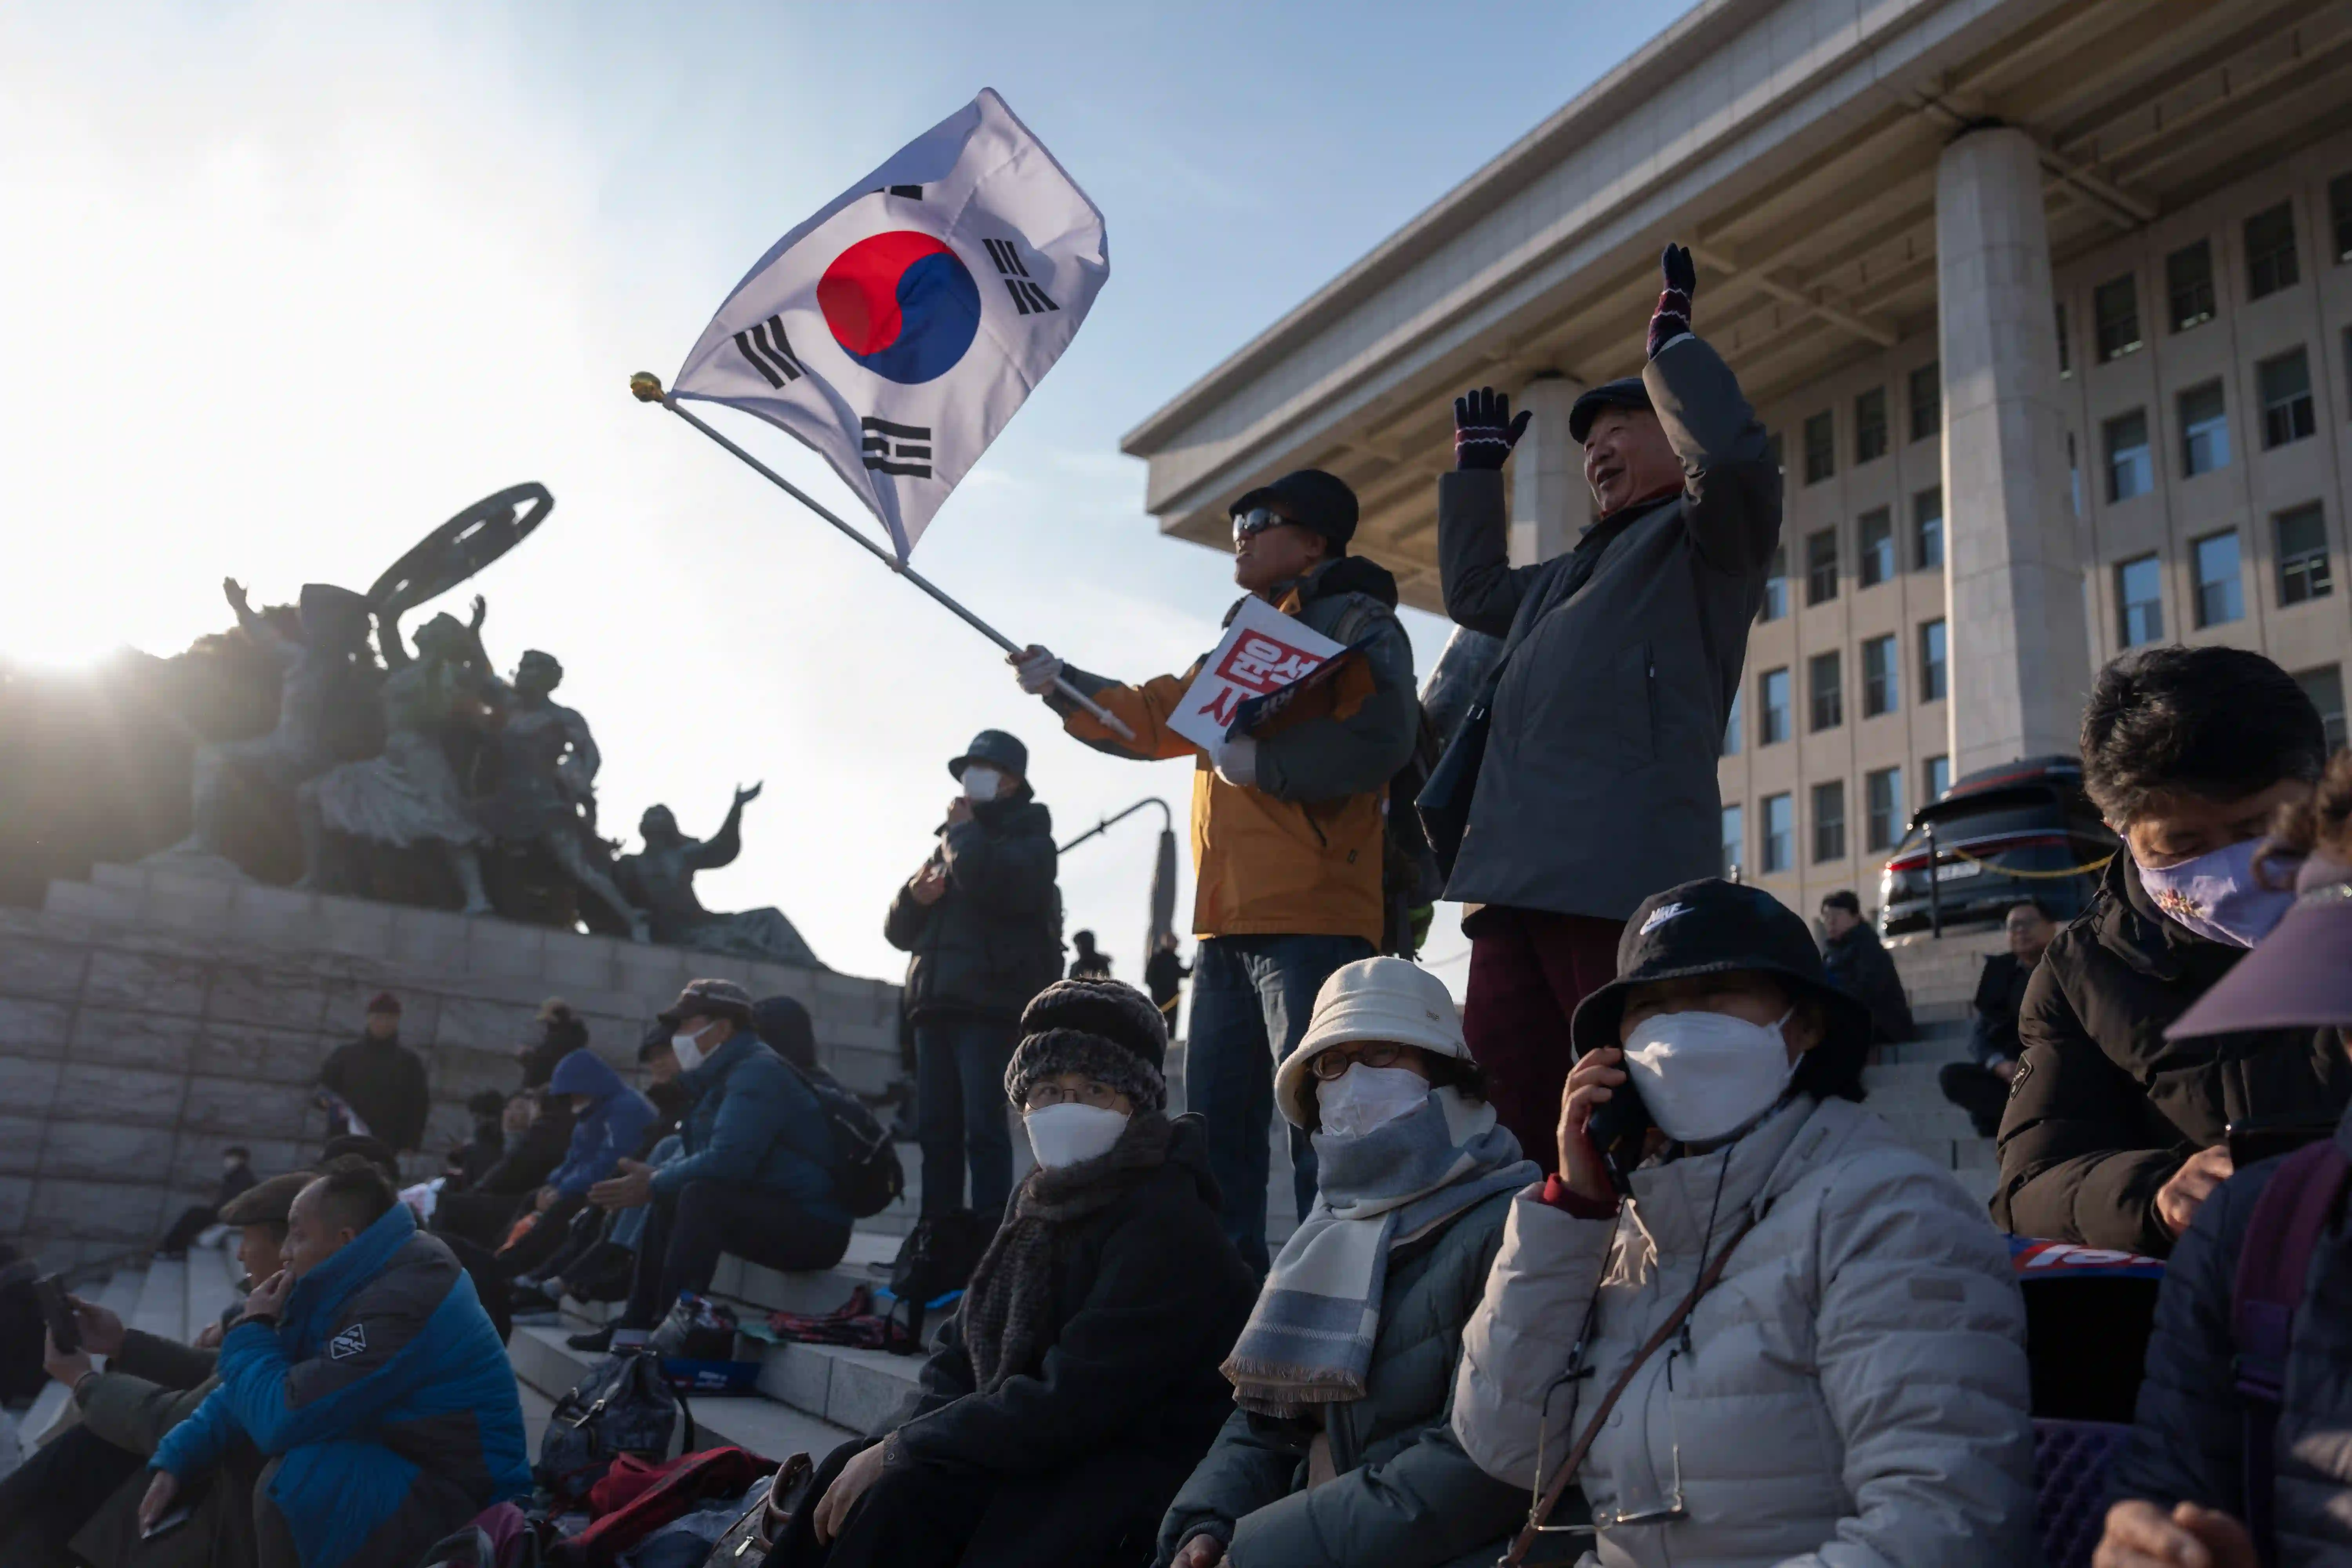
1935 888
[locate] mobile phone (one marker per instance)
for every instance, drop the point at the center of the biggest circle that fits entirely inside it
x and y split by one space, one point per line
58 1312
2260 1138
1619 1128
168 1523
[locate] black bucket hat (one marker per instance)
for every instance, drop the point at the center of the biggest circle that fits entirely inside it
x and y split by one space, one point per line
1319 503
997 750
1709 926
1625 391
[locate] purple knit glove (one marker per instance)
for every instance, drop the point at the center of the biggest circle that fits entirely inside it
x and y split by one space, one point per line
1484 430
1671 318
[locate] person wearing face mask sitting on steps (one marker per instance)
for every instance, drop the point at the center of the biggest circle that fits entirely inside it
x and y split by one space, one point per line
1077 1381
755 1177
982 920
1340 1453
1766 1331
2114 1135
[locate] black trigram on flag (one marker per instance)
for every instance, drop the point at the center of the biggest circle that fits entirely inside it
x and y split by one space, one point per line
912 192
902 450
1031 299
766 349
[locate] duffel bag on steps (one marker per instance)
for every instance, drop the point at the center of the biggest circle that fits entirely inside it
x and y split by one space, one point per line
624 1406
684 1485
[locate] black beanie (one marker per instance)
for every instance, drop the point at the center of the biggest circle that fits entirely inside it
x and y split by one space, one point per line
1106 1029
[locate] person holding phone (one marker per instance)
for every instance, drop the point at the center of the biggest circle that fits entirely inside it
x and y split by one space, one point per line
1757 1326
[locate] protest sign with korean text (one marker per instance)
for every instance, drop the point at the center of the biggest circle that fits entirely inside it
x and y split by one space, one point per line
1264 650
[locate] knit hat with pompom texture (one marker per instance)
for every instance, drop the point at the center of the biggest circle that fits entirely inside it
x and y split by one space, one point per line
1109 1031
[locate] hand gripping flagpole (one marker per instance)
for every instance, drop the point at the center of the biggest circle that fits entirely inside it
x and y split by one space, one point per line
647 388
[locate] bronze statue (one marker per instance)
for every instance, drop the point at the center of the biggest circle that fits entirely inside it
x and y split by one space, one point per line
546 791
411 794
660 879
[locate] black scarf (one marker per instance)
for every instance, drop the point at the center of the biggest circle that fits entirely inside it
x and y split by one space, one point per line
1008 1307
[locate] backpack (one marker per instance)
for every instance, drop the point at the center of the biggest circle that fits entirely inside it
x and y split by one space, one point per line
866 1175
2273 1265
624 1406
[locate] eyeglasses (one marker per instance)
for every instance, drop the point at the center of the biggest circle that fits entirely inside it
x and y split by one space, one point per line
1256 520
1334 1064
1670 1509
1041 1095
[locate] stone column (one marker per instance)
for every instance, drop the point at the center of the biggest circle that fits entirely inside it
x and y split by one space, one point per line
2018 645
1550 503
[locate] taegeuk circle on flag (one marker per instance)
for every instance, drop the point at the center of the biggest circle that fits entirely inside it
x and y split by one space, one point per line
901 304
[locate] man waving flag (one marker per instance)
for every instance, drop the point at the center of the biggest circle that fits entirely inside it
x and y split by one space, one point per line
898 329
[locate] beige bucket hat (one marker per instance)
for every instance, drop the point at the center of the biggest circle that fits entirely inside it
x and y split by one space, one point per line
1371 999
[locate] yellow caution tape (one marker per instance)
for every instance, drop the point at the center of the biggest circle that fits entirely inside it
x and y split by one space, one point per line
2098 865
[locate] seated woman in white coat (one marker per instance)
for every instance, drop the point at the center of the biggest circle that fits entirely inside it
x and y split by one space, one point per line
1763 1330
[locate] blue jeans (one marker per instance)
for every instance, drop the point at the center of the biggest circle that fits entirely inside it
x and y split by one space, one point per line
1251 998
960 1109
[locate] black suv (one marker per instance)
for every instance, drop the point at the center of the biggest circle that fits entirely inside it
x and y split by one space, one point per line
2029 815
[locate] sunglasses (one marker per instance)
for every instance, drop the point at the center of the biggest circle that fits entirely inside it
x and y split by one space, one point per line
1256 520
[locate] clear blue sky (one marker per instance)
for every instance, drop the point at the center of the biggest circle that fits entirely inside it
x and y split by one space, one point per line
287 284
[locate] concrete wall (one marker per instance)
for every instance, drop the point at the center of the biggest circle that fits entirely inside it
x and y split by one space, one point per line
147 1019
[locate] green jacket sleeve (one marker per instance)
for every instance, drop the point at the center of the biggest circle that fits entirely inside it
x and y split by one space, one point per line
1732 485
150 1386
1255 1462
1332 758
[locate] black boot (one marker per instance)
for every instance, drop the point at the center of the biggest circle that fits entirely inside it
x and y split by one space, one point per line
595 1341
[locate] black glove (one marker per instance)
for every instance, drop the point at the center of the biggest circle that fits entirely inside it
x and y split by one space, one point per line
1671 318
1484 430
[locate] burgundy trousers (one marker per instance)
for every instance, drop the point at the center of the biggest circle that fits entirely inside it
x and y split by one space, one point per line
1528 969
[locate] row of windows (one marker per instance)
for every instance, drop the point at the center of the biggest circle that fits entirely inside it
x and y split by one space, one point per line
1825 688
2300 538
1871 424
1883 816
2282 382
1880 562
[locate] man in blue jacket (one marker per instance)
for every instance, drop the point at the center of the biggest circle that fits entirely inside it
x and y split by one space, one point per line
608 1125
755 1177
369 1378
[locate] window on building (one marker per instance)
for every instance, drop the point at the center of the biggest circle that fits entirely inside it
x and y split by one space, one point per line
2221 596
1869 424
1731 738
2188 285
1926 390
1779 847
1882 797
1828 821
1735 841
2139 601
1825 688
2270 252
1928 530
2285 386
2130 472
2065 364
2073 478
1776 587
1875 531
2324 686
1879 680
1821 447
2204 430
1821 566
2339 215
1773 708
2115 316
1938 771
1935 669
2302 555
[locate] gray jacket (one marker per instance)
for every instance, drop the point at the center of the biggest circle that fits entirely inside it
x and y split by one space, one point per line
1852 1393
1621 695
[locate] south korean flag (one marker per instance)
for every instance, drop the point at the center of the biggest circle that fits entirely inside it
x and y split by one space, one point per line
901 328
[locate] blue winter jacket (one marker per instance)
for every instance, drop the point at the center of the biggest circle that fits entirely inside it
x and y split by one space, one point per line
611 1128
755 1123
383 1399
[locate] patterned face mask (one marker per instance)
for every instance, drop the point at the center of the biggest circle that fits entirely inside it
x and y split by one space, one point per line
2217 896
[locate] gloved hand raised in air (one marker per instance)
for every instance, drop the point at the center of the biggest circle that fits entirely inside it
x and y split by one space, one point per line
1484 430
1671 318
1037 669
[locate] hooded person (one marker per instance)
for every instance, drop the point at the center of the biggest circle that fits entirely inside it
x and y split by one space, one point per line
1764 1330
785 1028
609 1121
1339 1452
1078 1383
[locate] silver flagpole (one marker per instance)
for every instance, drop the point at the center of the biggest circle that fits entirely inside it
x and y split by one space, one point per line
647 388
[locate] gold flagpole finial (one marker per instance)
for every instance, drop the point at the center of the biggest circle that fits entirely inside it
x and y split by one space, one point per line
645 386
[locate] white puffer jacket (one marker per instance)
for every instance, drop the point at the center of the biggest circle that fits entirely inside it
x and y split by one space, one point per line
1852 1393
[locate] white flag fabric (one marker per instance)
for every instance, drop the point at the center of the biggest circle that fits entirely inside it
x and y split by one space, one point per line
898 329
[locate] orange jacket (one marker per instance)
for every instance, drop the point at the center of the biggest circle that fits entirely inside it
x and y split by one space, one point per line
1300 852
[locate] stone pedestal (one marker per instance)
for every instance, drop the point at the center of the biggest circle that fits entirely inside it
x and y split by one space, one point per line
1550 503
147 1018
2019 648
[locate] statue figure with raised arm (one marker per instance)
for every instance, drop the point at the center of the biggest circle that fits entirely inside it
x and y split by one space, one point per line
660 879
546 793
317 662
410 795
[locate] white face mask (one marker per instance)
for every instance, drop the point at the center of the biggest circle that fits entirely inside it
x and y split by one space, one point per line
1703 1075
1362 1099
1071 1133
981 782
688 1050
